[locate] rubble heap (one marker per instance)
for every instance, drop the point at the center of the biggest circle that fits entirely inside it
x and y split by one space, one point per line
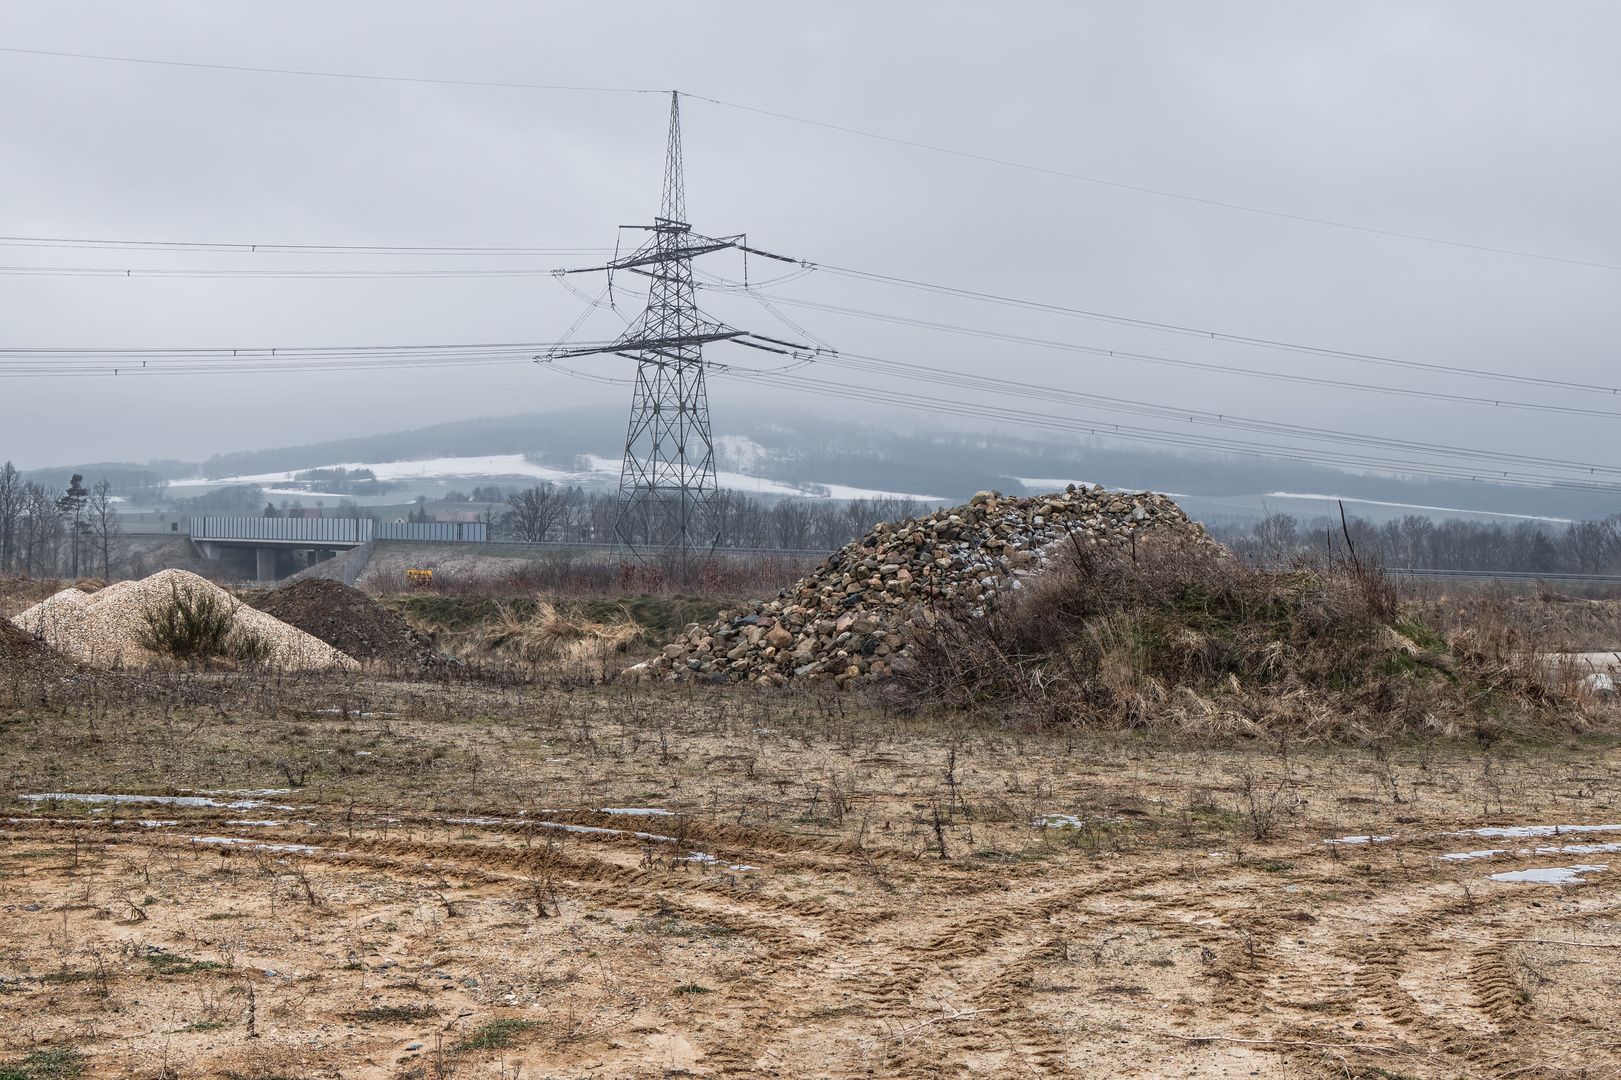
850 621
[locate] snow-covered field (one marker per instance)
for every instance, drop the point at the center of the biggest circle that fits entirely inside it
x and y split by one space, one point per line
505 469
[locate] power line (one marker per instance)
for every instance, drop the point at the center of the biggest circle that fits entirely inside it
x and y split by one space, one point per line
1159 192
1215 335
967 155
1193 365
276 249
331 74
915 373
1524 469
982 384
843 271
148 272
1029 418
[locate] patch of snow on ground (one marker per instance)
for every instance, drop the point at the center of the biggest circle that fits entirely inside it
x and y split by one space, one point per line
1552 875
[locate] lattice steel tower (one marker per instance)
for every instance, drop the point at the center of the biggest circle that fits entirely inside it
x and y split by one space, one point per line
667 485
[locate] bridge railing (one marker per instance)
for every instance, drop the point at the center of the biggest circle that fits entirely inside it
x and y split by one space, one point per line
285 530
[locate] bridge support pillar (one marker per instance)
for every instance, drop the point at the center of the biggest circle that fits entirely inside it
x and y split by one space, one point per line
267 564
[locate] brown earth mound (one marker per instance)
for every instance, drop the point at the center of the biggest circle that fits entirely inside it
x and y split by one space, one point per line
349 620
23 657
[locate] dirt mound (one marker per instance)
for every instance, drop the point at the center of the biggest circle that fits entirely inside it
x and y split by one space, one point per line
852 619
349 620
104 629
22 656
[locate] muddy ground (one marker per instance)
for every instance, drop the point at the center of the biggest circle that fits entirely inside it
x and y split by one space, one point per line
409 880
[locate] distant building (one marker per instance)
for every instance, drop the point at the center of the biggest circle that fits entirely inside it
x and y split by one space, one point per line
456 515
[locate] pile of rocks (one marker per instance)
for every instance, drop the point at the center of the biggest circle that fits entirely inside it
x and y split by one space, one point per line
851 621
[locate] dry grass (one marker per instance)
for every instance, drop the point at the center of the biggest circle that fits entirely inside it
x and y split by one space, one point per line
548 635
1182 635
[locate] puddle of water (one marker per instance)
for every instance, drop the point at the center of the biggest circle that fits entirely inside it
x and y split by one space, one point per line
1461 856
1360 840
637 810
1552 875
167 800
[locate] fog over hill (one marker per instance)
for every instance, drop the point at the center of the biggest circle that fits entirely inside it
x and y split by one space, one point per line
821 458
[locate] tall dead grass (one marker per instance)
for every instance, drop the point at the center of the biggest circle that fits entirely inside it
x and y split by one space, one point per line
1181 633
549 635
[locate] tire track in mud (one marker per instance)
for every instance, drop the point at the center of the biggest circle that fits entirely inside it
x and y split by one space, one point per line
988 960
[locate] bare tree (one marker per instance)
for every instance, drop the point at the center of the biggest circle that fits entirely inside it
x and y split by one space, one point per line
105 524
11 491
39 529
535 511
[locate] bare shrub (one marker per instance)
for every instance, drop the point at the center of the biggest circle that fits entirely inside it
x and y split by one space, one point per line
1177 631
194 625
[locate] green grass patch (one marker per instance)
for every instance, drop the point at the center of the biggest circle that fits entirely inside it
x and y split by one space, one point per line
218 915
167 963
1275 866
1420 635
690 988
203 1025
54 1064
497 1034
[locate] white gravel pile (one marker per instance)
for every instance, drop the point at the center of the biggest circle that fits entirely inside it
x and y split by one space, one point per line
104 628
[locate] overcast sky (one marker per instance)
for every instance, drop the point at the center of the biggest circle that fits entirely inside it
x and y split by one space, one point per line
1483 124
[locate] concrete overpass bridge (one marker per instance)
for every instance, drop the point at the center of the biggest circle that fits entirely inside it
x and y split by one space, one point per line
263 540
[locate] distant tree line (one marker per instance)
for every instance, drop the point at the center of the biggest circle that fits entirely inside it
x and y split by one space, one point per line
342 481
550 513
48 530
1418 542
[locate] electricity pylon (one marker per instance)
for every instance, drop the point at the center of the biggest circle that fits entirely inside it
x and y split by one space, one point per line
667 487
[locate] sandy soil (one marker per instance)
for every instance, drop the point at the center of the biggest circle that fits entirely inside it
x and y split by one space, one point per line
423 905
